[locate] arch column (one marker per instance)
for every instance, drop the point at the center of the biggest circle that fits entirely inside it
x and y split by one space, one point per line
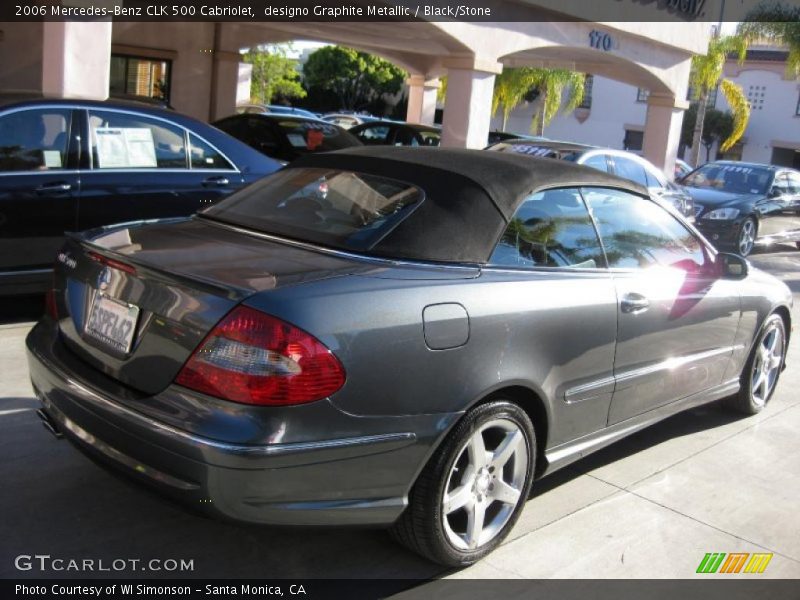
76 59
422 99
468 105
662 131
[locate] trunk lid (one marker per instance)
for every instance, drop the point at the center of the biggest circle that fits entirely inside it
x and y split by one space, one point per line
140 298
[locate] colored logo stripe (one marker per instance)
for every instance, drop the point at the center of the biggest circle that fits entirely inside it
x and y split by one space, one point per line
713 562
758 562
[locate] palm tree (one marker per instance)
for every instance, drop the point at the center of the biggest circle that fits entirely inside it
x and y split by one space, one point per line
510 88
779 24
512 85
552 84
705 76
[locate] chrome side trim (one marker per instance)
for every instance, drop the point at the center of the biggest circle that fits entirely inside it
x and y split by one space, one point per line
26 272
671 363
589 390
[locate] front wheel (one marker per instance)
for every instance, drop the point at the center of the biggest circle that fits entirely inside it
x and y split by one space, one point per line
760 374
472 491
747 236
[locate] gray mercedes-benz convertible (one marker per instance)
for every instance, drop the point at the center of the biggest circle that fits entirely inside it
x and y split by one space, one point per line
402 337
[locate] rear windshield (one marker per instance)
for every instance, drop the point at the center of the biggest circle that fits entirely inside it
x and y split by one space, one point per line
738 179
316 136
540 151
340 209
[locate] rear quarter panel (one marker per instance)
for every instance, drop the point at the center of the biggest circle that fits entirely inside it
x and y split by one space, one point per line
545 333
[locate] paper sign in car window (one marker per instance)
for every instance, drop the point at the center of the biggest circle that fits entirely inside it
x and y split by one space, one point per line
297 140
123 147
52 159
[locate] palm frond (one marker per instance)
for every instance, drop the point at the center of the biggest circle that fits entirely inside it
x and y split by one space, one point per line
740 108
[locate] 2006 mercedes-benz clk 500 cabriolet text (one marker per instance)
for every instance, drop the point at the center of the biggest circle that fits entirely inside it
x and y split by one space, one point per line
399 337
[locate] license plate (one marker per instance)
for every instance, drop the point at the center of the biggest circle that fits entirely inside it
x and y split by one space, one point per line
112 322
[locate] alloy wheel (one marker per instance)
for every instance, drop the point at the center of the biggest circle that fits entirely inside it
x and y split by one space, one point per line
747 237
484 485
766 366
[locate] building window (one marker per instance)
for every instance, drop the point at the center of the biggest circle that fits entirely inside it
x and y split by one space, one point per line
633 140
755 96
140 77
587 92
797 108
642 94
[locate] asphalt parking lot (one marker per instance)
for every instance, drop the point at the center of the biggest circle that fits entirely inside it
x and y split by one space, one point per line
650 506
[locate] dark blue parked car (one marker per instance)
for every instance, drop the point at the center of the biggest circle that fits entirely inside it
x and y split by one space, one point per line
68 165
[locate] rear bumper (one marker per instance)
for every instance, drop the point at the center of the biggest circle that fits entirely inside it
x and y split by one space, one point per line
354 480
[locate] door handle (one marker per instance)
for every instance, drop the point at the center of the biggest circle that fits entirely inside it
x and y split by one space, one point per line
216 181
634 303
49 188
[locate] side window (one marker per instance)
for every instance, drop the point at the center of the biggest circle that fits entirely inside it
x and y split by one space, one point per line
637 233
550 229
34 140
205 156
133 141
375 134
597 161
781 183
628 169
794 182
654 180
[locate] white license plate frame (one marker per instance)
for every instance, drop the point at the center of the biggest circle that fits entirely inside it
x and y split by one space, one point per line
112 322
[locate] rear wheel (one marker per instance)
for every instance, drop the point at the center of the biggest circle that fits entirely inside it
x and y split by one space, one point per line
747 236
472 491
763 368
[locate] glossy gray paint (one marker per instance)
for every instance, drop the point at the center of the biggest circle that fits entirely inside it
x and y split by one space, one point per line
421 344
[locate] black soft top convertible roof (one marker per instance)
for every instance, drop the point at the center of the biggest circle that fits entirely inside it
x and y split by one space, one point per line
470 194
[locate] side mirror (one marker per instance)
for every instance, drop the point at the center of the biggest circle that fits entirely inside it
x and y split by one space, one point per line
732 266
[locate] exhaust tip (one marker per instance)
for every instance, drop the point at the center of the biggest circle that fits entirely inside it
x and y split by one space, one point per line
49 423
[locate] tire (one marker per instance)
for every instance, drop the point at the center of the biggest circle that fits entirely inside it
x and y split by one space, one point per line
763 368
453 538
745 239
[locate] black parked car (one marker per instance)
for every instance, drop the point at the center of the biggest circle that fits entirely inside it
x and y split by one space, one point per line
618 162
394 133
739 205
412 350
68 165
286 137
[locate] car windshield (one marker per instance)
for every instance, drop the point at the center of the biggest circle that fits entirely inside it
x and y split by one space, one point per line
340 209
316 136
738 179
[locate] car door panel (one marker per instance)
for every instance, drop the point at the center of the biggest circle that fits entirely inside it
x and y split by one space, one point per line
160 185
677 319
40 186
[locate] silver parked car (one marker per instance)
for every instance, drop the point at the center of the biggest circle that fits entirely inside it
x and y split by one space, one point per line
618 162
412 349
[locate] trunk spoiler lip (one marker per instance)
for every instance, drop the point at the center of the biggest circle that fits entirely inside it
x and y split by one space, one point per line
143 267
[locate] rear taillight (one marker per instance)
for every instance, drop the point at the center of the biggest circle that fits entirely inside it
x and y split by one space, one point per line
254 358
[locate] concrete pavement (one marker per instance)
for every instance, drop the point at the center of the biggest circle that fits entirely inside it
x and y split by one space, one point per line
649 506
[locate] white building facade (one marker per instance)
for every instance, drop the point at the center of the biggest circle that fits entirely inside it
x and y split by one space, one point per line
614 113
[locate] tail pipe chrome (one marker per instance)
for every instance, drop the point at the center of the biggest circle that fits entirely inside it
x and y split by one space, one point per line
49 423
